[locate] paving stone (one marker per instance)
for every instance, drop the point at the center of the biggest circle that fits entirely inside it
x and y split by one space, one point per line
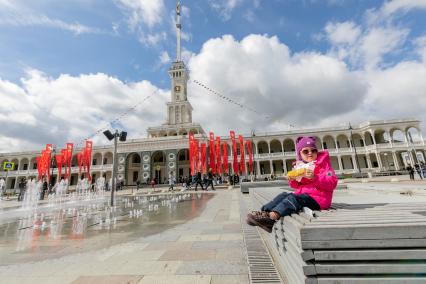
188 255
213 267
168 245
176 279
230 279
218 244
108 279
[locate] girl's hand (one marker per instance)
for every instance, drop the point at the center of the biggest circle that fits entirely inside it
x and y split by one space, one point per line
309 174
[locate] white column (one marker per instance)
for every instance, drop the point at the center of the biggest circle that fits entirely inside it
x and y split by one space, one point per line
285 167
269 147
390 138
369 165
372 137
379 160
395 161
258 167
272 167
354 161
340 163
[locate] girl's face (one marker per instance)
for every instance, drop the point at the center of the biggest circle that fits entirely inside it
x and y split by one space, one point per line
309 154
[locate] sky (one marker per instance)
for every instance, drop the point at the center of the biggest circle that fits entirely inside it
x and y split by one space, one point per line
69 68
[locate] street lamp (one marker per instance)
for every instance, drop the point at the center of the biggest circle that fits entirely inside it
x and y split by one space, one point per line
114 136
354 146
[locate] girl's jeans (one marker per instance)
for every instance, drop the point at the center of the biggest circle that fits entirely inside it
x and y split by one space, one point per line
286 204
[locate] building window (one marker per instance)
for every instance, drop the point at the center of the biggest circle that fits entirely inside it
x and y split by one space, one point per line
35 166
361 142
25 167
94 162
324 145
105 161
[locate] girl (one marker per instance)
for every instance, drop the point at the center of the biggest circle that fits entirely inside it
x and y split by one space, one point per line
314 190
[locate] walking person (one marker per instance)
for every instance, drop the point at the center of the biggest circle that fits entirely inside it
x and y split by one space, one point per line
198 181
210 179
22 185
313 187
44 189
171 181
410 170
419 170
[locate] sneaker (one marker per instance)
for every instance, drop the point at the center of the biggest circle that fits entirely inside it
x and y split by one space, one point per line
253 214
261 221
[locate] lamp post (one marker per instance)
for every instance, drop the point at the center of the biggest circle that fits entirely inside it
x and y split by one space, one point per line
114 136
354 146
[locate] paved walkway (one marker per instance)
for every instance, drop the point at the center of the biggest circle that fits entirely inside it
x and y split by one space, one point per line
206 249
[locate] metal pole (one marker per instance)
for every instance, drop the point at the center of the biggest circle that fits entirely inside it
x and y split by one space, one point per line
354 146
114 165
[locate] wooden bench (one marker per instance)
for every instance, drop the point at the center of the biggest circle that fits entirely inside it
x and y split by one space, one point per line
362 243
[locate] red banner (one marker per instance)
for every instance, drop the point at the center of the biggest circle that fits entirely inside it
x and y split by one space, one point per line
79 162
69 159
47 159
234 152
59 161
218 157
225 158
249 153
242 155
39 169
211 151
88 158
191 153
197 155
203 157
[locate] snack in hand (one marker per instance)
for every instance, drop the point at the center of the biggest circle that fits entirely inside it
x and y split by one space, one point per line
296 173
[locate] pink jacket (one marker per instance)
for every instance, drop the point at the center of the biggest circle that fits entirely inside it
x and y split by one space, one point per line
322 185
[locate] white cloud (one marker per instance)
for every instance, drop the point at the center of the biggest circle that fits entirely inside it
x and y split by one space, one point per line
342 33
149 12
56 110
392 7
152 39
13 14
260 72
225 7
164 58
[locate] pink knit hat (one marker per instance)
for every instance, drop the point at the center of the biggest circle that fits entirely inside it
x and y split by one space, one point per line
303 142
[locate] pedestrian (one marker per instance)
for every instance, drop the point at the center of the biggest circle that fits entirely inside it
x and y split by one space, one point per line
210 179
198 181
22 185
313 187
410 170
171 181
44 189
418 170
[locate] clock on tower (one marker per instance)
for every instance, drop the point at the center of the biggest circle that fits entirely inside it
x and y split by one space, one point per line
177 89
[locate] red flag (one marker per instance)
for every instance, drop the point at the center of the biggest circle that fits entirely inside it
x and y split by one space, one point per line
39 169
203 157
211 151
218 156
197 155
48 152
88 159
69 158
249 153
234 152
191 152
242 154
225 158
59 161
79 162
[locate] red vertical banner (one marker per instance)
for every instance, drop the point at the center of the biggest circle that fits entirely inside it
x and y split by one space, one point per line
70 147
234 152
211 151
39 169
191 153
197 155
218 157
225 158
79 162
59 161
88 155
250 153
48 153
242 155
203 157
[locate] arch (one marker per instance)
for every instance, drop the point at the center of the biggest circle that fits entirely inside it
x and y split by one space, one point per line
289 145
328 142
262 147
380 136
342 141
133 165
397 135
158 166
16 162
318 142
183 164
357 140
413 134
24 164
276 146
2 162
97 159
193 131
33 163
107 158
173 133
183 132
368 138
162 134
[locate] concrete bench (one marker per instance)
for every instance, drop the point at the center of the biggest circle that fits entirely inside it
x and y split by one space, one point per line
362 243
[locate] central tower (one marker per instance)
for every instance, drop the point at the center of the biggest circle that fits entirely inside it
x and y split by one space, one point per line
179 109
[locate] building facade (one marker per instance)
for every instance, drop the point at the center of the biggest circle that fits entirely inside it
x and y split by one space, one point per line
372 146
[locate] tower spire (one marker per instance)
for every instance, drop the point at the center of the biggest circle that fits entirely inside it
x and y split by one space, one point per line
178 31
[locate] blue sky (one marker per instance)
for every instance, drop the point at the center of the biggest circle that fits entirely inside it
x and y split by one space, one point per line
118 48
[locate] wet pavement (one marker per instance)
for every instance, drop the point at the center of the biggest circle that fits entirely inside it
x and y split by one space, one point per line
194 238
